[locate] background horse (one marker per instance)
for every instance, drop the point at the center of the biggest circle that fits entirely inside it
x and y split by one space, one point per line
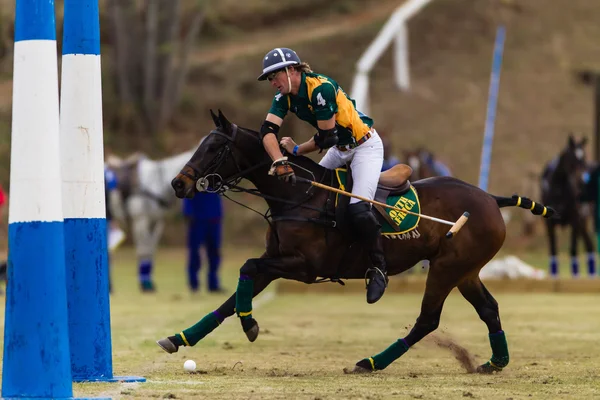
142 197
562 188
303 244
425 164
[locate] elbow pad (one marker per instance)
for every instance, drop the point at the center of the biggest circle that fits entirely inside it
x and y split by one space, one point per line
326 138
268 127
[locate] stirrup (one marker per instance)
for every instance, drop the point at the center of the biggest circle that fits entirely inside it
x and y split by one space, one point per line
383 274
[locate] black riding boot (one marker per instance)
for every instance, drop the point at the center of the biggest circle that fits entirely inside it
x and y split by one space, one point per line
368 230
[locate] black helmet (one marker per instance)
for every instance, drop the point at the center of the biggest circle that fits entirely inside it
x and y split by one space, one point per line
278 58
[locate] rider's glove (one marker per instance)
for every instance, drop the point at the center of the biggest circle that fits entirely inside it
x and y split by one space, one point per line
283 170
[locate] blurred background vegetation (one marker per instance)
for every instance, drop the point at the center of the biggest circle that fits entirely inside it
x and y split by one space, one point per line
167 62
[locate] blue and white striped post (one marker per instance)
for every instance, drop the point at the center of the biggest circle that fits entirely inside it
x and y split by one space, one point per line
36 338
83 195
488 136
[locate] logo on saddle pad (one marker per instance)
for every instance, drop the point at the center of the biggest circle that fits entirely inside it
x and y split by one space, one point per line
395 224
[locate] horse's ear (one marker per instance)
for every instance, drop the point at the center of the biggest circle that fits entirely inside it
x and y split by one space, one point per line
215 119
583 142
224 122
571 140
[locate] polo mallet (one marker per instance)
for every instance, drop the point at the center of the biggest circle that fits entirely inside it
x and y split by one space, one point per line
455 226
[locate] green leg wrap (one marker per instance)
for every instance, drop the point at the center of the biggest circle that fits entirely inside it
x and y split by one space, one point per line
389 355
243 298
192 335
499 349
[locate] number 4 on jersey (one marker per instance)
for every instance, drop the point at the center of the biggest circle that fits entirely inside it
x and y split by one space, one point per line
320 100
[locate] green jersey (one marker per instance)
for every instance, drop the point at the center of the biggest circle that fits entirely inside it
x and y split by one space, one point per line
320 98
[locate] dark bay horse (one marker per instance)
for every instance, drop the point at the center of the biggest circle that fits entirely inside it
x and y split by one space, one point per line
303 245
425 164
562 188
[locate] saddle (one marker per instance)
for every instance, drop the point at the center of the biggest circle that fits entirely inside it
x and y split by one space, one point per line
393 182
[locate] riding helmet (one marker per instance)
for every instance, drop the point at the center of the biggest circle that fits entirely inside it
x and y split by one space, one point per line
278 58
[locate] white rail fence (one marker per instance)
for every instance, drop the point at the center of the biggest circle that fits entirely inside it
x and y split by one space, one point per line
395 30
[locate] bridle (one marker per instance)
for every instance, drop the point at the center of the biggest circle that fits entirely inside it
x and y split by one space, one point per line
220 185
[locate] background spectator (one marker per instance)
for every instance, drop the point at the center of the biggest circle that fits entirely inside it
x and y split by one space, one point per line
204 215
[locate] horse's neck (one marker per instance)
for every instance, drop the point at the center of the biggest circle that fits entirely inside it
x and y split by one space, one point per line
560 173
270 186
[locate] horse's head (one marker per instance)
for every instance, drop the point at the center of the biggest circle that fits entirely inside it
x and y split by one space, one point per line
223 158
572 163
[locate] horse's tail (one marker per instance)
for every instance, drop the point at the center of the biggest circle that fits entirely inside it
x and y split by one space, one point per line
524 202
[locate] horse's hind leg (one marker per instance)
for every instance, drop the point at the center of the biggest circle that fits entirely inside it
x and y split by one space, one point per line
486 306
437 288
551 228
193 334
575 228
589 248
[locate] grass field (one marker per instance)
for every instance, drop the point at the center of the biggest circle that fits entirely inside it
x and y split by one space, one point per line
307 340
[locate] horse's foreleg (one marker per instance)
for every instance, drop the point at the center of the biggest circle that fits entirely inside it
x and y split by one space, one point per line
281 267
195 333
551 228
487 308
145 251
157 231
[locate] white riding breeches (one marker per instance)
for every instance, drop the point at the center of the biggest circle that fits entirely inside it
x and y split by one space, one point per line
365 160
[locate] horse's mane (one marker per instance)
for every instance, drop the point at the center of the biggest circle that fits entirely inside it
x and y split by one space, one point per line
302 161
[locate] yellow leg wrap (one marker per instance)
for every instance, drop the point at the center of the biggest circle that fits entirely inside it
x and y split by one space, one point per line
245 314
544 213
532 205
372 363
494 365
518 201
184 338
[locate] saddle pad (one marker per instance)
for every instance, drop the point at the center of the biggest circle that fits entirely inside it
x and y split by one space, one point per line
403 222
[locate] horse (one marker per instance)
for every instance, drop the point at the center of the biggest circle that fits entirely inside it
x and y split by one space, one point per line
305 242
142 196
562 188
424 164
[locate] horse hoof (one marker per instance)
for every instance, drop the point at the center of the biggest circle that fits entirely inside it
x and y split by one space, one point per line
364 366
251 329
356 371
361 367
167 345
488 368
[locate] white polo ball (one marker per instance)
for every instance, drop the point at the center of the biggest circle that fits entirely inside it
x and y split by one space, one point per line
189 365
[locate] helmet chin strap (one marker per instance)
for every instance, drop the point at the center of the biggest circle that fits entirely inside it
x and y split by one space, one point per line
289 81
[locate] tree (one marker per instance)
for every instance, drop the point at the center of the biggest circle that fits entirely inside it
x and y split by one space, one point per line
7 16
151 45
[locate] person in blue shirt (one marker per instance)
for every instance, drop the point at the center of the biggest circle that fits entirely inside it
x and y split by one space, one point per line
204 214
